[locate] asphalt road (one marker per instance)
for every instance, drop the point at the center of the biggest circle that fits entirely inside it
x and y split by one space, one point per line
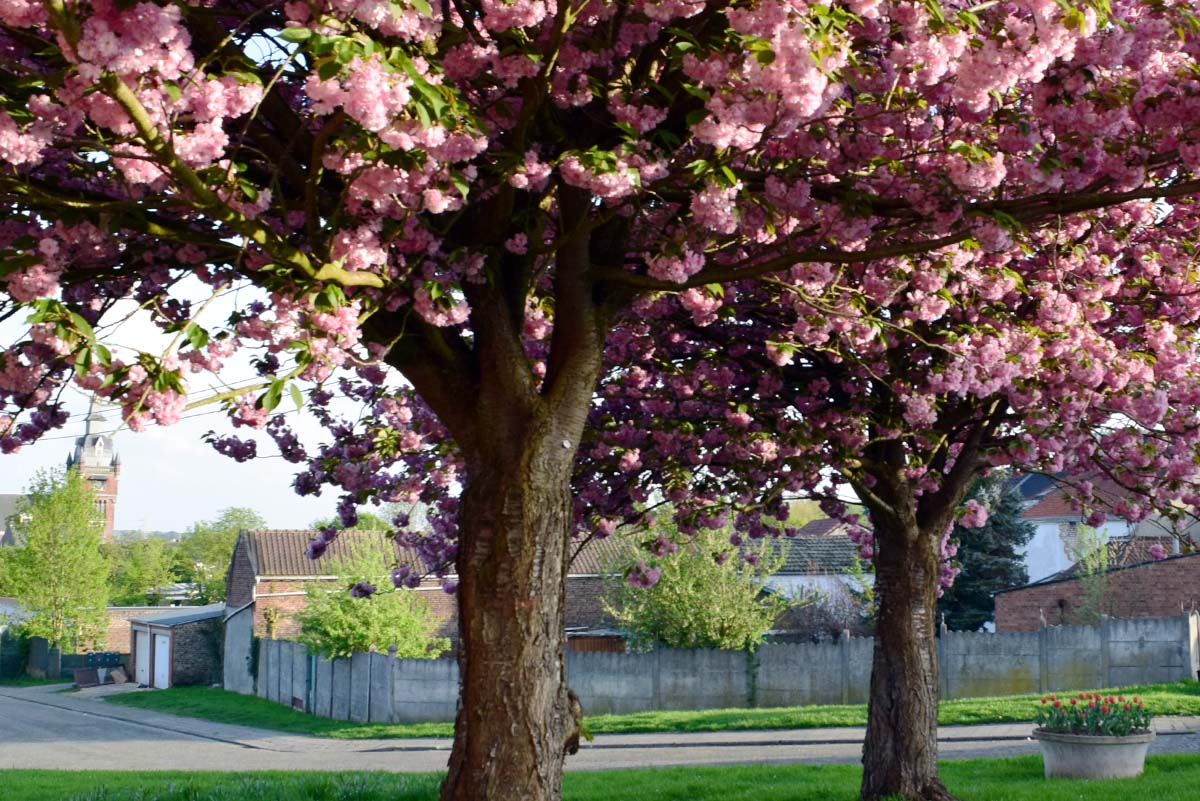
41 729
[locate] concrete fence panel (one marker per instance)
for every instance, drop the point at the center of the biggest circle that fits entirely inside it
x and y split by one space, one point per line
424 690
795 674
300 678
975 664
613 683
1074 657
323 688
360 687
1146 651
379 669
339 694
702 679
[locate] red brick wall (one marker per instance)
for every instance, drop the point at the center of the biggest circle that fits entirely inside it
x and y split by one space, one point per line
585 603
1153 589
287 598
117 638
239 581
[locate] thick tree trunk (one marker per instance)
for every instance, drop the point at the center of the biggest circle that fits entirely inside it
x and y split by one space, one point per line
514 717
900 752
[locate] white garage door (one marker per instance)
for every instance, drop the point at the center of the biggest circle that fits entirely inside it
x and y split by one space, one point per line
141 658
162 661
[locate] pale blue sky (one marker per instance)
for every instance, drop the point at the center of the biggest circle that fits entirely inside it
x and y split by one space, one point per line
171 478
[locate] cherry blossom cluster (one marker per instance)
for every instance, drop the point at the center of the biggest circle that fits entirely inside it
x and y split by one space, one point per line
851 249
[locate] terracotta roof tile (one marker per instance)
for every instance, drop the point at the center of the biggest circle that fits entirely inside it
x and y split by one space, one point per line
1054 504
597 557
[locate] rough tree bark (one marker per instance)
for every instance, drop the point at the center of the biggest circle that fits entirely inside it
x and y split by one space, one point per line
514 717
518 437
900 751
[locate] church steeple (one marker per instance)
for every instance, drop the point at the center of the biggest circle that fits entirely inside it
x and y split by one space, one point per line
96 460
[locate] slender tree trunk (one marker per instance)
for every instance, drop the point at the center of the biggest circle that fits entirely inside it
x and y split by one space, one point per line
900 751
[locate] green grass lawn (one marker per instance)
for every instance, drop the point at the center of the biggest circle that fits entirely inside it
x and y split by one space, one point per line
1167 778
30 681
1182 698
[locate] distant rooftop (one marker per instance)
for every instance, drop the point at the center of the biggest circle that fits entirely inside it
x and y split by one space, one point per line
180 615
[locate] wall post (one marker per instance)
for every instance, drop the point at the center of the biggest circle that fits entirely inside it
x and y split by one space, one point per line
943 661
1105 656
1043 657
844 653
657 678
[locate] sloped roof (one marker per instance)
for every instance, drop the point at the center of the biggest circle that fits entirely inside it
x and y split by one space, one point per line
1123 552
1031 486
284 552
180 615
1054 504
816 556
597 557
822 527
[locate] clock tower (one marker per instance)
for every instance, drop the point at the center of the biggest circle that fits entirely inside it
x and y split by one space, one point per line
98 463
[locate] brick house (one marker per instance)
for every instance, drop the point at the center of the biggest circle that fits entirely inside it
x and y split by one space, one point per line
271 573
1134 588
1059 526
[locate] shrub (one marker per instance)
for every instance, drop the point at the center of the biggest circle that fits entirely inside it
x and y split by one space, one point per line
337 622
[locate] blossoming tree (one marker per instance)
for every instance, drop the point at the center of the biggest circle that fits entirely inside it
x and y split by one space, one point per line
917 229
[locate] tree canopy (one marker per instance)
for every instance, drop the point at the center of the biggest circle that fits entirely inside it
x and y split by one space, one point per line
204 551
59 575
140 569
884 246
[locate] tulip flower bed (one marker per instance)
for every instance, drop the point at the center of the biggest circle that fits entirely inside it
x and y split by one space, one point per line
1093 713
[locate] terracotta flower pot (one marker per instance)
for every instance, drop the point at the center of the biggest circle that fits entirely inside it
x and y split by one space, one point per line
1086 756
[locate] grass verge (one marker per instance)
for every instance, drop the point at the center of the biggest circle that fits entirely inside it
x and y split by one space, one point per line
1181 698
1167 778
30 681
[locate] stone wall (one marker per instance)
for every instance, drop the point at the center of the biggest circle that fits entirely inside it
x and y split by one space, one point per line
197 656
380 688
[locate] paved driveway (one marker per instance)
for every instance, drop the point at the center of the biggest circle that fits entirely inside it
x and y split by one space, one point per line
44 729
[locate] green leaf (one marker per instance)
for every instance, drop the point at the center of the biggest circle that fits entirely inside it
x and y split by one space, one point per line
196 336
172 90
423 7
297 396
328 70
270 399
295 34
83 326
